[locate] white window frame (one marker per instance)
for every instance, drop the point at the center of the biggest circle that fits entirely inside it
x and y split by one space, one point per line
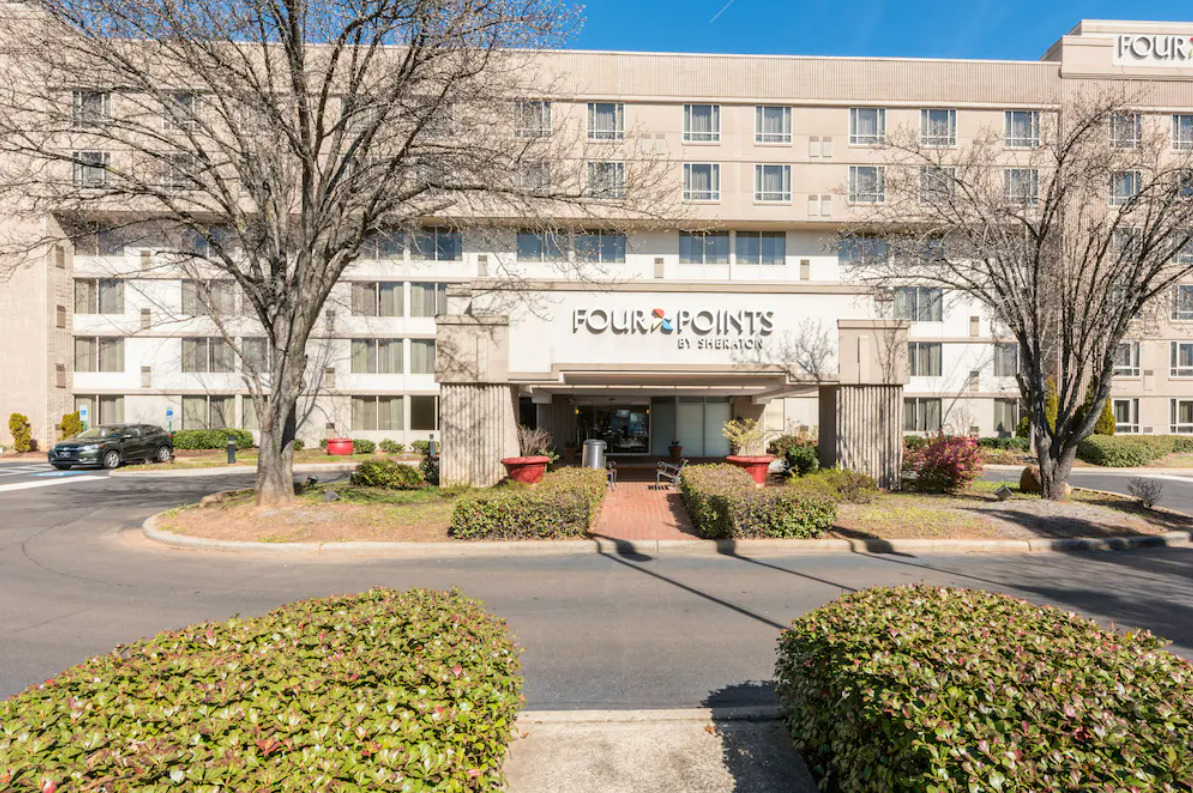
704 236
1131 426
917 350
1176 370
859 139
1182 303
616 189
761 196
946 141
1182 131
1132 178
1012 141
542 114
1126 130
80 118
947 180
1131 367
713 194
617 133
1004 351
90 168
772 138
761 235
915 403
1177 427
1008 179
914 302
186 106
876 196
690 136
433 233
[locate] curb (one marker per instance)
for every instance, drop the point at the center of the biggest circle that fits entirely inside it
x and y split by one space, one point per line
411 550
1101 470
301 468
743 713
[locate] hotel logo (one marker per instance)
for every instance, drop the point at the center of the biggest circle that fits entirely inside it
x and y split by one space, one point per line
1153 50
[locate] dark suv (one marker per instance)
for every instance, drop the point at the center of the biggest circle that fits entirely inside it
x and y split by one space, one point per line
109 445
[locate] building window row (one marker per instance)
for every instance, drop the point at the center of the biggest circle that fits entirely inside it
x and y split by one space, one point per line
387 356
387 299
603 247
751 247
388 413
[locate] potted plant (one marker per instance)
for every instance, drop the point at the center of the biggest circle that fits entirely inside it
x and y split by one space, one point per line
747 444
676 451
535 447
339 447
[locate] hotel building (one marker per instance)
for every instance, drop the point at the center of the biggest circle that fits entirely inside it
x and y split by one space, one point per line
770 156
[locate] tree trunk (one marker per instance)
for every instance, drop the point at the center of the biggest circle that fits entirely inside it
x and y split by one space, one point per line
275 458
1054 473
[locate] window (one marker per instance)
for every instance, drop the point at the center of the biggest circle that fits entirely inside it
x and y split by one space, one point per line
1022 129
437 245
1126 359
179 171
428 300
921 414
867 125
1126 416
1182 131
387 244
761 247
606 180
772 124
1124 185
90 168
704 247
924 357
867 184
438 121
1182 417
1182 359
99 354
1006 416
207 355
701 181
208 412
422 356
600 247
772 183
938 127
424 413
541 246
99 296
606 121
1021 186
89 108
701 123
377 299
205 298
919 303
377 356
533 119
248 414
1126 131
102 409
534 177
255 352
1182 304
937 184
182 110
381 413
854 251
1006 359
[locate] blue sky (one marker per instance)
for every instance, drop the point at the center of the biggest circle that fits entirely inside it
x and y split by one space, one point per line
1000 29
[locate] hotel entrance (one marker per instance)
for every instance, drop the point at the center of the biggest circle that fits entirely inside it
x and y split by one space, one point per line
625 429
696 422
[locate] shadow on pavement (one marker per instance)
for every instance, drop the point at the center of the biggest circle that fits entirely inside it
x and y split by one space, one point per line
757 751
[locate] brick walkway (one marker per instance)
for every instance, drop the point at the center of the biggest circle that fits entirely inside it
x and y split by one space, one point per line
637 511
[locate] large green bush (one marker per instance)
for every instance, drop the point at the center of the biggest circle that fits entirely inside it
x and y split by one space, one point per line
1126 451
388 474
800 454
723 503
850 487
916 689
565 504
212 439
382 691
71 424
1015 444
21 432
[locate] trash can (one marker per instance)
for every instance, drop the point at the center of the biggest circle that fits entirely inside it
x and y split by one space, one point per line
594 454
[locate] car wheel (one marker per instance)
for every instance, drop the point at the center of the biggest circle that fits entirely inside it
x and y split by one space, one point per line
60 466
111 459
163 454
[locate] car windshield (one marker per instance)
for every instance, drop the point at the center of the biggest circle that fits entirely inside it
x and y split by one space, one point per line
95 432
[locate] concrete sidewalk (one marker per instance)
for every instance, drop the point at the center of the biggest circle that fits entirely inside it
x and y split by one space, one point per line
740 750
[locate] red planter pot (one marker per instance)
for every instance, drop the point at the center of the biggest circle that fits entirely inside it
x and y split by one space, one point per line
756 467
340 447
527 470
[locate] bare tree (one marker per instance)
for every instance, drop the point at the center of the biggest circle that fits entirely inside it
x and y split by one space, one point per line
1071 226
269 143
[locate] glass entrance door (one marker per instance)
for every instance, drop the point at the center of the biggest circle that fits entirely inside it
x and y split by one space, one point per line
624 428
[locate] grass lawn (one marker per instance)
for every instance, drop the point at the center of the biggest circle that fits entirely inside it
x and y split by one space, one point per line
207 458
361 514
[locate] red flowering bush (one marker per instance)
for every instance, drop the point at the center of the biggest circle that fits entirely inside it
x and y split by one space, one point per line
946 464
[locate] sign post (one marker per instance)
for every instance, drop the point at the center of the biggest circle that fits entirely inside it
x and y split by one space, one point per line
170 419
83 415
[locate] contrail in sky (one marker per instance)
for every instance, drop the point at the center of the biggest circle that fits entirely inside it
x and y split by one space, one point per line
722 11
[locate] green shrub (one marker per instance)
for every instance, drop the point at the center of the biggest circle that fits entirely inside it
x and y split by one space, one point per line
914 443
1126 451
363 446
299 444
916 689
801 459
212 439
1107 424
388 474
565 504
422 447
71 425
724 503
429 467
391 447
850 487
323 444
21 432
1015 444
1023 429
946 464
382 691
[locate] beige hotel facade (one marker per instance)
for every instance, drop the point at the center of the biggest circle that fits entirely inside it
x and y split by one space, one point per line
772 153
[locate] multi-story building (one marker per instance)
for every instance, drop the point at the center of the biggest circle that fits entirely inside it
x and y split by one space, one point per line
770 157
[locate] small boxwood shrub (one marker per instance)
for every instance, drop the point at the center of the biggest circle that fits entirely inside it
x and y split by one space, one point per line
850 487
391 446
1013 444
71 425
21 432
212 439
565 504
388 474
799 453
927 690
363 446
382 691
945 464
1128 451
422 447
299 444
724 503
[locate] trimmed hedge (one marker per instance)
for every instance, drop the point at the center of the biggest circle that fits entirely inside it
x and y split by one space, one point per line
850 487
1128 451
363 446
929 690
212 439
565 504
382 691
391 446
388 474
1013 444
724 503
